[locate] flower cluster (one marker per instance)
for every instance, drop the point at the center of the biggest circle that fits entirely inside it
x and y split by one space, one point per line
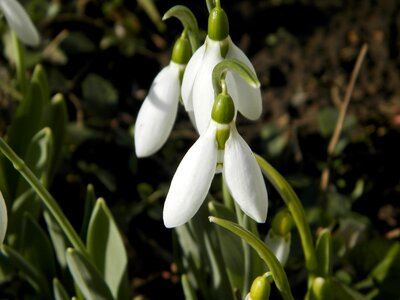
219 148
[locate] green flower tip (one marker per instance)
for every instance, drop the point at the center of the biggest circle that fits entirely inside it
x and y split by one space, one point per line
182 51
223 110
218 24
282 222
260 288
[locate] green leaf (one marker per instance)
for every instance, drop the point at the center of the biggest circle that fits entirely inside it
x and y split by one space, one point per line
40 77
90 201
38 157
36 247
56 118
32 275
58 239
344 292
187 288
99 94
106 247
151 10
231 246
267 256
324 253
296 209
87 277
59 291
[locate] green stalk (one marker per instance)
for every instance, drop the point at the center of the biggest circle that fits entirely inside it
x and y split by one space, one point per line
47 199
19 63
296 209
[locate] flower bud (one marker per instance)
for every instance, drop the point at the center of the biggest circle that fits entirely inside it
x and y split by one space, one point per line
321 289
218 24
182 51
260 288
223 110
282 222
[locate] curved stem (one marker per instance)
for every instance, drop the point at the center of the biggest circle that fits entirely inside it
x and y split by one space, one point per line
47 199
296 209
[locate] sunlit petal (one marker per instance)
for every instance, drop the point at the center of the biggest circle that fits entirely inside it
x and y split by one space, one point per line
3 218
192 180
158 112
203 92
20 22
247 99
279 245
243 177
189 77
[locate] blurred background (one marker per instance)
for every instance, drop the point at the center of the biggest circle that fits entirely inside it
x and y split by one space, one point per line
103 55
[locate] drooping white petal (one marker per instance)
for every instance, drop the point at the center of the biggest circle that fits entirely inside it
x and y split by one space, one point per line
203 91
247 98
20 22
279 245
243 177
158 112
3 218
189 77
192 180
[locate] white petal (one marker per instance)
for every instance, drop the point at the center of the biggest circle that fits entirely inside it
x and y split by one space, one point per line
247 98
158 112
243 177
3 218
189 76
203 92
20 22
279 245
192 180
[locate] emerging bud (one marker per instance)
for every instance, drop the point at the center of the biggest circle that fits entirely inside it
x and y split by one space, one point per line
218 24
182 51
223 110
321 289
282 222
260 288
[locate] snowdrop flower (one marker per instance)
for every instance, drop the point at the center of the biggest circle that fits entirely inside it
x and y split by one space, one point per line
20 22
219 148
3 218
278 238
260 288
197 89
158 112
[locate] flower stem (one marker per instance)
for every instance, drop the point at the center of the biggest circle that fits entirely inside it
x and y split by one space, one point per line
47 199
296 209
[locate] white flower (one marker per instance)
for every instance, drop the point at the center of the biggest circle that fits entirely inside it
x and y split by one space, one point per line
3 218
197 89
20 22
158 112
194 175
279 245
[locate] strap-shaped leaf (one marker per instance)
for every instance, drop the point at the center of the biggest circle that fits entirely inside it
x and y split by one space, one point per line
105 246
36 247
59 291
86 276
32 275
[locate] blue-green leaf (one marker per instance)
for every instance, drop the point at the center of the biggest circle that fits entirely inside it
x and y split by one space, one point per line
106 247
59 291
87 277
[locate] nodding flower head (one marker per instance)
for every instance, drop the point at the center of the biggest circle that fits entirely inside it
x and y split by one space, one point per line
3 218
158 112
20 22
197 88
220 148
